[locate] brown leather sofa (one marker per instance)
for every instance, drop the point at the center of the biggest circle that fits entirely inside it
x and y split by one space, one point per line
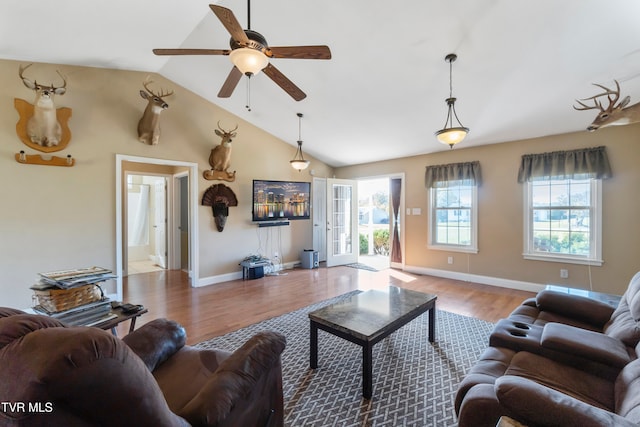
559 360
54 375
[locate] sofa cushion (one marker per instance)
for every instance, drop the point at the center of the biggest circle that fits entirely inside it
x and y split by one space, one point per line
632 295
587 344
18 325
156 341
566 379
183 375
64 366
627 391
578 308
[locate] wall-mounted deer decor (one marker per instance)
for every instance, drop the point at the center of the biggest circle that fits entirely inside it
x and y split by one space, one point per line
42 126
149 124
220 157
613 114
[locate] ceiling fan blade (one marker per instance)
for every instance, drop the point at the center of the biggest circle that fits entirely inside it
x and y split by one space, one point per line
230 84
191 51
230 22
301 52
281 80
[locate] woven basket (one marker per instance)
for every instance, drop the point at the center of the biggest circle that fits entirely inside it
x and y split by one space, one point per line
54 300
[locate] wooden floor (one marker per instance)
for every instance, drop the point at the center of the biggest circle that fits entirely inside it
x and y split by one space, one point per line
214 310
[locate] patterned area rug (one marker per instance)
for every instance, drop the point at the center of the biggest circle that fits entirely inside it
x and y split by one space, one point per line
414 382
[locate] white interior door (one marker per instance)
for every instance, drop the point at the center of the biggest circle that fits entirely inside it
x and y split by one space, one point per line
320 218
342 222
160 223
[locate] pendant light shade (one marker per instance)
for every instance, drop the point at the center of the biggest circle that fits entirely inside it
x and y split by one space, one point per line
298 162
450 134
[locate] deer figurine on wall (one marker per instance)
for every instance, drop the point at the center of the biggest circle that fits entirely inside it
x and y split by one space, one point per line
220 157
42 129
613 114
149 124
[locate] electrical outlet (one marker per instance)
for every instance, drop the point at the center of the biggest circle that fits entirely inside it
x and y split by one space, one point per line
564 274
450 260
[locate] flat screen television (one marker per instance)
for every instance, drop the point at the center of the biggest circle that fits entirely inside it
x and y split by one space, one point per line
280 200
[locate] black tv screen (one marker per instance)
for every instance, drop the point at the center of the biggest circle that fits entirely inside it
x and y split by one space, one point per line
280 200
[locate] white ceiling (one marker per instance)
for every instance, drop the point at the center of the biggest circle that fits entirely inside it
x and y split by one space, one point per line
521 64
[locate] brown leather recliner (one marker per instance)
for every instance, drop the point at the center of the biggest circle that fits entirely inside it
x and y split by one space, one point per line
567 351
54 375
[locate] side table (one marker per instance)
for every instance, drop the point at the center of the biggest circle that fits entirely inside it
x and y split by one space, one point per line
121 316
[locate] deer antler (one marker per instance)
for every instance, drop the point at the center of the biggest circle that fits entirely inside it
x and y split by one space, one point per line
148 82
22 68
607 92
64 81
230 131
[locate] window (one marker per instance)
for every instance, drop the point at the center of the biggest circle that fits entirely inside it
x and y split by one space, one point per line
453 218
453 197
563 209
562 220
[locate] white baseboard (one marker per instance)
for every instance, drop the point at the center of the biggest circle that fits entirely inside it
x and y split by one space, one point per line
212 280
475 278
236 275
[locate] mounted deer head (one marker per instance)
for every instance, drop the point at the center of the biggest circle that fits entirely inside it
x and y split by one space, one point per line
43 127
220 157
149 124
613 114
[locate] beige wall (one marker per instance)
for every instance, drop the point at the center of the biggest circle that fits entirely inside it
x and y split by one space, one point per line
57 217
500 210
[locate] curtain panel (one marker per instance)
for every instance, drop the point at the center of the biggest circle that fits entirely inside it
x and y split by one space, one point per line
396 250
583 163
453 172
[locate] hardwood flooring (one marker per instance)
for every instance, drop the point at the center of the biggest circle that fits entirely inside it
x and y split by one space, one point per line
213 310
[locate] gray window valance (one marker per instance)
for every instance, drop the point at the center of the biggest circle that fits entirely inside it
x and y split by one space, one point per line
453 172
584 163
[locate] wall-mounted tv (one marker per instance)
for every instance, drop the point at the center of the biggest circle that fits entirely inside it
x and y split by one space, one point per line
281 200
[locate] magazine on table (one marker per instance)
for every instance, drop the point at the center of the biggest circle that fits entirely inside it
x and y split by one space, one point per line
67 279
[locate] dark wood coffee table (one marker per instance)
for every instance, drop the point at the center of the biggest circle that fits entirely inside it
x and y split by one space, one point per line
369 317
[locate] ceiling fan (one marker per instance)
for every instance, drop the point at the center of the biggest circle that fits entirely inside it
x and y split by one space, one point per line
251 54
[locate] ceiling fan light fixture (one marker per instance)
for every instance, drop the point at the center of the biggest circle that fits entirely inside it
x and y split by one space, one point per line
450 134
249 61
299 163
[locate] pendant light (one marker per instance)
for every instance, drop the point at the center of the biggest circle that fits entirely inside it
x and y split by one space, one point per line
450 134
298 161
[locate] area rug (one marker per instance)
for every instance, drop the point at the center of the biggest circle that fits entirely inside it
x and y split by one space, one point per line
414 382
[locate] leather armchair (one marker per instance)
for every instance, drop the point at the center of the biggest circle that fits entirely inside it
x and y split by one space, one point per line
54 375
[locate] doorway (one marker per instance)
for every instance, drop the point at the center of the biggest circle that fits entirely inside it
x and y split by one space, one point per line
374 215
177 203
146 207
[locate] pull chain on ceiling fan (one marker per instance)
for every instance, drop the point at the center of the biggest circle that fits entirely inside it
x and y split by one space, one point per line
250 54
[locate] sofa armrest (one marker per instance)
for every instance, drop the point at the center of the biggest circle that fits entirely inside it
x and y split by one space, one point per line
585 309
156 341
244 380
534 404
587 344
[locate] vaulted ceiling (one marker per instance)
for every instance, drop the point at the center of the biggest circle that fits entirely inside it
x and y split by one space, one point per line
521 64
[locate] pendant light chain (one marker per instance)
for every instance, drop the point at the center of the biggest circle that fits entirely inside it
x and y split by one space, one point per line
248 106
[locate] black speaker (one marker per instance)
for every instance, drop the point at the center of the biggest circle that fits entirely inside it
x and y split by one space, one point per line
256 272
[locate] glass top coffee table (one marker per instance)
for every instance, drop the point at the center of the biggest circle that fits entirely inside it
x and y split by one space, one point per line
369 317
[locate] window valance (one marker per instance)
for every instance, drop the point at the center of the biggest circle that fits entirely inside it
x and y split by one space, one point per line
583 163
453 172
